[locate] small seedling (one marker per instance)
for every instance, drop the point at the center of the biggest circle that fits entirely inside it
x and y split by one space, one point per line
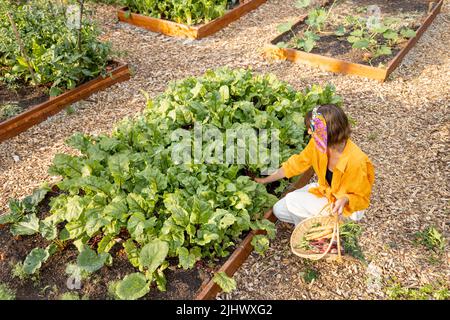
425 292
70 110
112 286
310 275
6 293
431 238
8 111
17 271
372 136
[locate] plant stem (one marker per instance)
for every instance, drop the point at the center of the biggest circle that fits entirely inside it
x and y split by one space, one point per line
81 24
21 46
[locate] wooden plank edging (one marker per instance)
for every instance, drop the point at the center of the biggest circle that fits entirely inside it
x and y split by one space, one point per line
394 63
40 112
341 66
174 29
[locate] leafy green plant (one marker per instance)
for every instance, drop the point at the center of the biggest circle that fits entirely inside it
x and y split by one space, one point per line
226 283
52 50
8 111
431 238
112 290
426 292
376 38
350 233
310 275
189 12
315 21
18 272
126 189
6 293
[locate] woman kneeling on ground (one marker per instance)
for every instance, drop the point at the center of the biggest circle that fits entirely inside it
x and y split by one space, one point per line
345 173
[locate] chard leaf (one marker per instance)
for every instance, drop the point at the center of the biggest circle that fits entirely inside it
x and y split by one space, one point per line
132 287
226 283
160 280
187 259
132 252
34 260
90 261
260 243
48 230
28 226
119 166
153 254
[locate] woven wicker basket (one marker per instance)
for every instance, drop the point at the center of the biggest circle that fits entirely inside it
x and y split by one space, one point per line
302 228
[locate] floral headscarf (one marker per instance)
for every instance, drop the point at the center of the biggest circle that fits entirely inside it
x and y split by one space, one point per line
319 129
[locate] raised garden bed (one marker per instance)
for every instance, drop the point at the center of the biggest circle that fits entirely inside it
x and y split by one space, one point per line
196 284
333 54
174 29
190 284
47 106
127 190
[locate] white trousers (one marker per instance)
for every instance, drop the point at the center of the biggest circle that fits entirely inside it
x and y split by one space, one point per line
301 204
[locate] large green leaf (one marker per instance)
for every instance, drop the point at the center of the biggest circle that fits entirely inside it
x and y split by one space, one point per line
153 254
90 261
28 226
226 283
132 287
48 230
34 260
119 166
188 258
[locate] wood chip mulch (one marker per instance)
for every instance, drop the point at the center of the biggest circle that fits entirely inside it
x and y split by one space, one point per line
403 125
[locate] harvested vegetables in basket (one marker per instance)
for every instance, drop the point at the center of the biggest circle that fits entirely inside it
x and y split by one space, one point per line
317 239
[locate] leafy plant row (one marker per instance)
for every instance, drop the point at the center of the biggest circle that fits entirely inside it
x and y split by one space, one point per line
125 189
374 35
52 54
189 12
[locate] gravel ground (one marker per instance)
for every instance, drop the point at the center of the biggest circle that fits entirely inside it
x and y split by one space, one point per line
402 124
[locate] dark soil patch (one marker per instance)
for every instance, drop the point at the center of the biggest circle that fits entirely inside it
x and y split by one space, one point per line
340 48
52 279
25 96
393 7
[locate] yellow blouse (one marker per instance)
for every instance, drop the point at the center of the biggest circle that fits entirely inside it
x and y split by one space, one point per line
353 175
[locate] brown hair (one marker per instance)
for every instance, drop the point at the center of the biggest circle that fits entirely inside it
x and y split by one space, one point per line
338 126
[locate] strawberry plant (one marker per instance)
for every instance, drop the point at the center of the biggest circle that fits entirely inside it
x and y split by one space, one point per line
189 12
125 189
50 52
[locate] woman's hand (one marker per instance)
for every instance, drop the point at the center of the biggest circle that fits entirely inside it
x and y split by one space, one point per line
277 175
261 180
339 205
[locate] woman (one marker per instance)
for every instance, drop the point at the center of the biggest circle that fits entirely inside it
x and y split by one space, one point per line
345 173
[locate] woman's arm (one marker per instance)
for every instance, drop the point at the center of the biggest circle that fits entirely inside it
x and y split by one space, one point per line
295 165
277 175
